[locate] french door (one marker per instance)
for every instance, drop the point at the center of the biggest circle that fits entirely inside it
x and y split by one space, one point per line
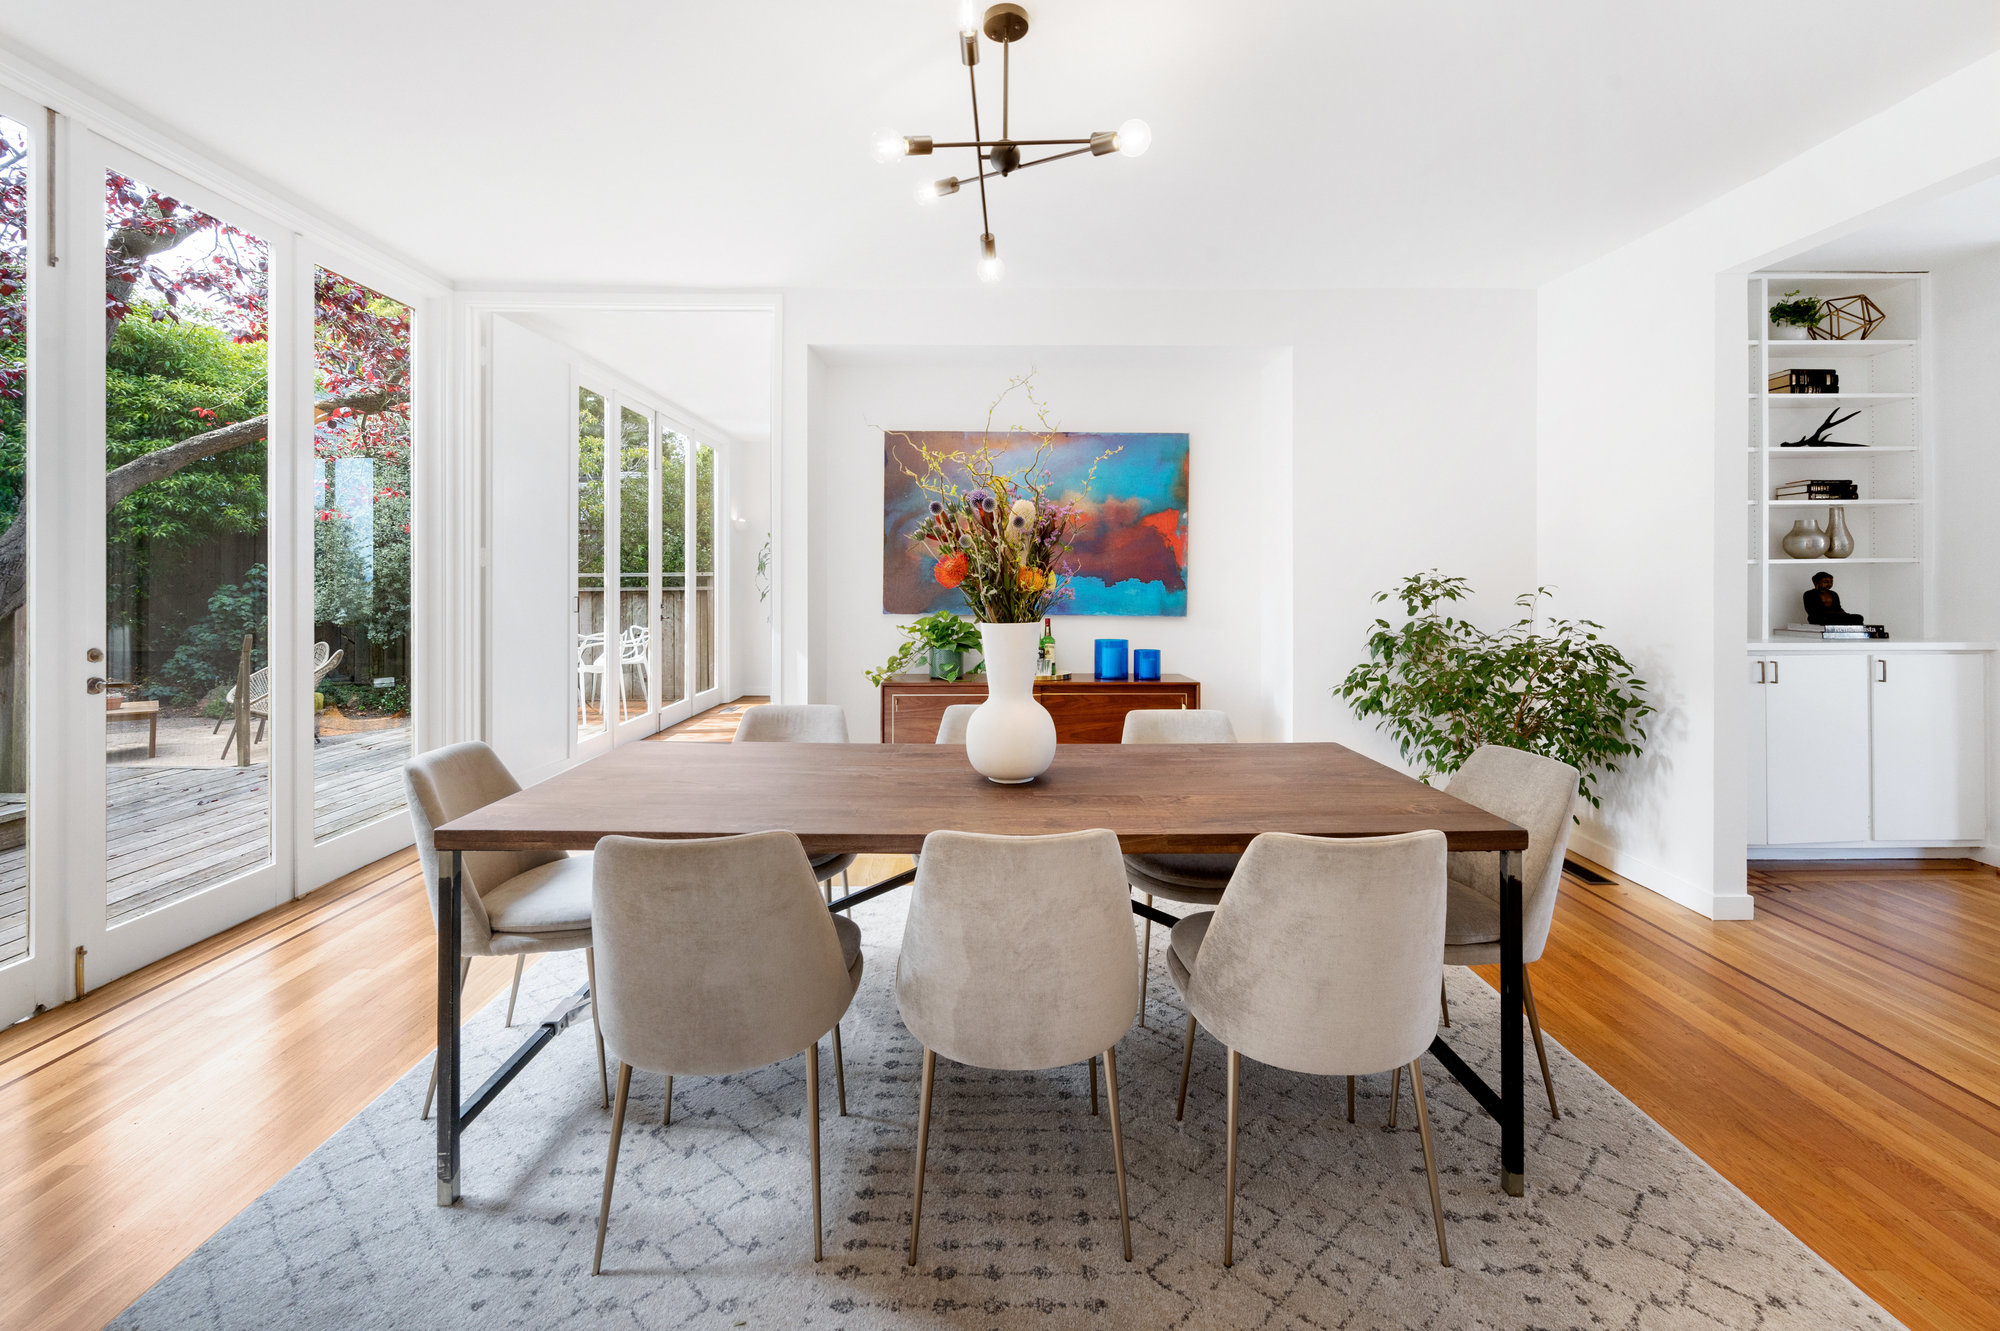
645 614
215 494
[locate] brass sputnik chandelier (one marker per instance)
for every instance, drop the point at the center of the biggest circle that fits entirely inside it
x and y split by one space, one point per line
1005 24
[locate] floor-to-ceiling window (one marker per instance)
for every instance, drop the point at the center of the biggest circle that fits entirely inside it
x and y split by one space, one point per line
675 449
595 652
188 745
635 528
361 520
16 162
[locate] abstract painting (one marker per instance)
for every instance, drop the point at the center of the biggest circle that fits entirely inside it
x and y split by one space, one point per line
1131 548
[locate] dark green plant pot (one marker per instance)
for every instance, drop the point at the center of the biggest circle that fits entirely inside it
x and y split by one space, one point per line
946 663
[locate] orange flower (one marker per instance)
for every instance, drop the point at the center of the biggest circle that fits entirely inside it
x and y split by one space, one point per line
1031 579
951 570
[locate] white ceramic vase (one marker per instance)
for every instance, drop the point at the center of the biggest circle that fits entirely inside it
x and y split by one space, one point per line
1011 738
1789 333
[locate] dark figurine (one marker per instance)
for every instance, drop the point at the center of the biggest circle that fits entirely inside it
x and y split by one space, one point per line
1818 439
1823 603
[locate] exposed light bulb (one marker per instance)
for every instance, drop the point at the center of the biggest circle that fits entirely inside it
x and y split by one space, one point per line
1134 137
890 145
932 190
968 15
991 270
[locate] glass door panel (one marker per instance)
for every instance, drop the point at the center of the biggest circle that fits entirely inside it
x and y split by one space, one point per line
593 669
15 163
674 450
635 611
704 565
361 554
187 753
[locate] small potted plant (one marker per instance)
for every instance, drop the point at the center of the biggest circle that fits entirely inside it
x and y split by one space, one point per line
942 639
1794 316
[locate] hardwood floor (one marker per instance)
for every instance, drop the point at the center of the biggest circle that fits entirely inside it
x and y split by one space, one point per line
1834 1058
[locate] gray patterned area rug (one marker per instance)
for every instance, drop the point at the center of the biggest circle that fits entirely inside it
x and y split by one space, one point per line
1622 1227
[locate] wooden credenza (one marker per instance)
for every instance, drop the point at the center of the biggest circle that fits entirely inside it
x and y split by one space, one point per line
1085 710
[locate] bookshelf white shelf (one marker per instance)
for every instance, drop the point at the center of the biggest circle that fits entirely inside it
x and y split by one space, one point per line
1885 381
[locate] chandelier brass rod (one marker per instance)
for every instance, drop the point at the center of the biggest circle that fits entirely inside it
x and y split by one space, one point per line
1006 84
971 77
1018 143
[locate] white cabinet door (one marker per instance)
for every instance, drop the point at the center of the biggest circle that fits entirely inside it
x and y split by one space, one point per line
1753 727
1930 746
1817 768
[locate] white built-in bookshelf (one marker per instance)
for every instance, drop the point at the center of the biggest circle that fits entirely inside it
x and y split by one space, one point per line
1885 379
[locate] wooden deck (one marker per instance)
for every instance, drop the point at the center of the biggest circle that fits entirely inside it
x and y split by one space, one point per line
176 830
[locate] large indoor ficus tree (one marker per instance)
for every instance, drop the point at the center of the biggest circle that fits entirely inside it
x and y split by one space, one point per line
1442 686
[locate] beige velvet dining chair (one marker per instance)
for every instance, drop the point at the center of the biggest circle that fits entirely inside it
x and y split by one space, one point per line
1539 795
1017 956
512 902
801 723
718 957
951 726
1194 880
1324 958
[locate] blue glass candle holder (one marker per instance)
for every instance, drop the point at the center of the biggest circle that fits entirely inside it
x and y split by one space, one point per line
1146 663
1111 658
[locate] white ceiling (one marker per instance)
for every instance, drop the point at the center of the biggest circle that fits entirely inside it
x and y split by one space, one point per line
1919 236
713 363
694 143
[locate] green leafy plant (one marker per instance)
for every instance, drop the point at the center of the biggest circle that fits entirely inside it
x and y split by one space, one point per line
1796 309
942 631
1443 686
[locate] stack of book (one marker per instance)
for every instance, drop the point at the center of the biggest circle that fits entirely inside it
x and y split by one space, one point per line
1831 490
1805 381
1835 632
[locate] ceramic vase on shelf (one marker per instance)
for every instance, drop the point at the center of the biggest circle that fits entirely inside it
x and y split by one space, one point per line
1788 332
1839 540
1011 738
1805 540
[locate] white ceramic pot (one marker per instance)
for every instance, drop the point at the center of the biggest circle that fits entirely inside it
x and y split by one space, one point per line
1011 738
1789 333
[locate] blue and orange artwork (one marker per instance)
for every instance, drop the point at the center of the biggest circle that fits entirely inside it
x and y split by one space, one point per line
1129 554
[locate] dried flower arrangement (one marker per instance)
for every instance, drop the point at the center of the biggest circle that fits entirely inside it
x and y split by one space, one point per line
1002 539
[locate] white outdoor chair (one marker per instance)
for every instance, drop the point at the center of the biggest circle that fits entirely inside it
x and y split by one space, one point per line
635 652
590 666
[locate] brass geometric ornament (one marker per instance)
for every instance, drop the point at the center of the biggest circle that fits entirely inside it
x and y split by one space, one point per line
1846 317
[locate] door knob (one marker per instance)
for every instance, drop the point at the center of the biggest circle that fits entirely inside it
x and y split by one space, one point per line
93 685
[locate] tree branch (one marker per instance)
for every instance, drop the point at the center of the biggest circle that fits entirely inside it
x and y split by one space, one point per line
164 462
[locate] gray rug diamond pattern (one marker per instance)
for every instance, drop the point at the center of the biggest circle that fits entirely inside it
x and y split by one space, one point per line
1622 1227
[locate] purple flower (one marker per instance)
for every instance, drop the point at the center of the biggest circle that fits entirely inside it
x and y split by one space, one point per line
1018 523
979 499
936 508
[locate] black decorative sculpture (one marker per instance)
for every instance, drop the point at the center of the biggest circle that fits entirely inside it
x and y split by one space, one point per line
1818 439
1823 603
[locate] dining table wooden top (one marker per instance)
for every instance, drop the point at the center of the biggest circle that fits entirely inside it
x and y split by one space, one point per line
885 798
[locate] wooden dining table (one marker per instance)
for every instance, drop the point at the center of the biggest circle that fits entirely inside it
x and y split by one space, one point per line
885 798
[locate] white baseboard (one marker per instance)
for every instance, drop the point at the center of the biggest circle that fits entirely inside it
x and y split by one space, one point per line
1988 855
1910 852
1679 890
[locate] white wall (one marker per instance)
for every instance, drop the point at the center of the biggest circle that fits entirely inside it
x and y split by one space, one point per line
1965 296
1640 490
529 657
749 523
1360 436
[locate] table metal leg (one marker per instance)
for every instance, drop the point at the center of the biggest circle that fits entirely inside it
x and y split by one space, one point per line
450 888
1513 1070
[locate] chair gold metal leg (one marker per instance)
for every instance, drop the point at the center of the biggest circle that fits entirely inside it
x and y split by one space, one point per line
667 1115
1093 1085
1229 1183
1350 1099
923 1143
1395 1095
464 969
1430 1158
1117 1145
1187 1061
611 1165
520 960
812 1114
1444 1001
1145 962
1535 1025
590 970
839 1072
